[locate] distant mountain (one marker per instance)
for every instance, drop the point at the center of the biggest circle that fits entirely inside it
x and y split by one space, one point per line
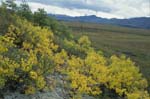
140 22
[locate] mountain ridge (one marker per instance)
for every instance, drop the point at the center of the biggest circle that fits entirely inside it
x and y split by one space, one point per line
137 22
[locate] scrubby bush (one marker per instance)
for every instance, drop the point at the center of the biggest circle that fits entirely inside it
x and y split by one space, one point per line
27 61
95 74
30 55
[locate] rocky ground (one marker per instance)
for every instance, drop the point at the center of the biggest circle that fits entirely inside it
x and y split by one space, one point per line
59 92
45 95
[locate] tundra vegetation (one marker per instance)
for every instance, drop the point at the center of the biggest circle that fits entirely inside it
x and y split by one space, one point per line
34 48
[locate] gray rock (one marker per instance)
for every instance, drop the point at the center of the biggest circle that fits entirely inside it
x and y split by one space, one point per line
46 95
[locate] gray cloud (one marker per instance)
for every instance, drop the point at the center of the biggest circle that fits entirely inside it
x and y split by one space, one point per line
72 4
121 8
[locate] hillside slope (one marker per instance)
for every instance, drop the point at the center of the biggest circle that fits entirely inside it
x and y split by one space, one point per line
116 40
40 57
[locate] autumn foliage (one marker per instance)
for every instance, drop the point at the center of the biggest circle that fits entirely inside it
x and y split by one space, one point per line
30 55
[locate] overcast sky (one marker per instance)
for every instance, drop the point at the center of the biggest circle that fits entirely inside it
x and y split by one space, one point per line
100 8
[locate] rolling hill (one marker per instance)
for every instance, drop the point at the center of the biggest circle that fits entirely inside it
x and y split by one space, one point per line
140 22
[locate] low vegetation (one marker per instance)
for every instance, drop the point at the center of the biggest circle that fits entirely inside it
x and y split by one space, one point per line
32 52
132 42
